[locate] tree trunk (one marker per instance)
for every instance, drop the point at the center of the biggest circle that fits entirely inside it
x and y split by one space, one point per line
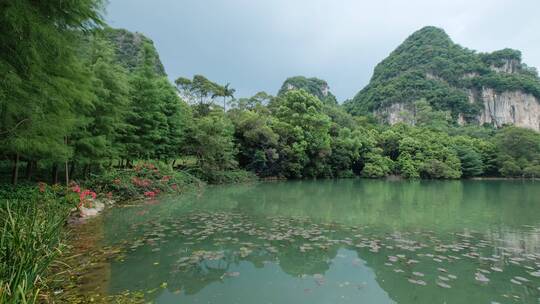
55 174
66 163
15 173
224 108
66 167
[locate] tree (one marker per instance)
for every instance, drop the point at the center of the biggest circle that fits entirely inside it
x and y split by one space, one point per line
178 118
224 91
257 141
427 154
259 100
425 116
211 141
201 90
467 150
377 165
95 139
517 149
346 149
148 133
185 88
42 81
309 137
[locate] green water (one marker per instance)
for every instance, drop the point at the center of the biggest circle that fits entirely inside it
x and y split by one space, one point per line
334 241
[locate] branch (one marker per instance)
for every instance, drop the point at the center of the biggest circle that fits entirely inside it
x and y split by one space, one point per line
15 127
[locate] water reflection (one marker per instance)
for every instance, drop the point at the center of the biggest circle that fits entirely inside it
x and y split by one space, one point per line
334 242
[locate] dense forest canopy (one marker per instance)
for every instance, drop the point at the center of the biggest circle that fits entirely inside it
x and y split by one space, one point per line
91 107
97 98
429 65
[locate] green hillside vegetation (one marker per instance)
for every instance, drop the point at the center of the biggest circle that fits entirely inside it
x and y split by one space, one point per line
314 86
428 65
129 49
80 108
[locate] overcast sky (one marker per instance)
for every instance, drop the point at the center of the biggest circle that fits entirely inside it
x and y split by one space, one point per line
256 44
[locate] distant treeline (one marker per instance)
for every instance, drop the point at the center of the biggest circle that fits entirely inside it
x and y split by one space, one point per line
70 107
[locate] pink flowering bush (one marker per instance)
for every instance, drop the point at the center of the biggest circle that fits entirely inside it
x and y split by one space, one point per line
145 180
82 197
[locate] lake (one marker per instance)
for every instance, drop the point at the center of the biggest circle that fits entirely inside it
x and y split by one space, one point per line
329 241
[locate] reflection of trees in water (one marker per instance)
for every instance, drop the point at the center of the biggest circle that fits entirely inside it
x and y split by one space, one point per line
296 263
446 207
195 279
442 205
191 280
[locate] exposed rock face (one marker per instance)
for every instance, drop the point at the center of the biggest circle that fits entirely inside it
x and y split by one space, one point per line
509 66
494 88
517 108
395 113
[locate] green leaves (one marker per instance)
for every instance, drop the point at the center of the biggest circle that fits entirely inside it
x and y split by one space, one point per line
518 151
316 87
210 140
429 65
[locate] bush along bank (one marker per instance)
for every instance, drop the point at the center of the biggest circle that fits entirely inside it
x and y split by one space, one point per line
33 220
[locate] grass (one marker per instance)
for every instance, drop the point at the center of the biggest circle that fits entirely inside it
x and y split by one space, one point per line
30 240
32 219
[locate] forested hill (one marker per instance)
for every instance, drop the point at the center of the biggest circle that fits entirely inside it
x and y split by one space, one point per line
91 101
429 65
129 48
314 86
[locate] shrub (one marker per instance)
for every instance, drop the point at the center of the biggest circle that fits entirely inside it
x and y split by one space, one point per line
145 179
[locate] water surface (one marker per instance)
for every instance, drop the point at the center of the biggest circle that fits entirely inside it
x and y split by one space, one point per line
332 241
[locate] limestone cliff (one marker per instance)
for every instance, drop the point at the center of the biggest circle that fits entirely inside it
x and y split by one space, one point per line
477 88
509 107
129 48
498 109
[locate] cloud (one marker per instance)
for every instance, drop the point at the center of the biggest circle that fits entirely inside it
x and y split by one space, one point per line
255 45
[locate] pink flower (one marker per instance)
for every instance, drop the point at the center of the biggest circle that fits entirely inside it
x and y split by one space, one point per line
76 189
149 194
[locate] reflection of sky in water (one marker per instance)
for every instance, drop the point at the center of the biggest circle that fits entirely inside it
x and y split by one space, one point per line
525 241
389 237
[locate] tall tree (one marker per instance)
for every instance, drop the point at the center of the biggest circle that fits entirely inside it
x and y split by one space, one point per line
42 81
224 91
96 138
146 116
304 128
